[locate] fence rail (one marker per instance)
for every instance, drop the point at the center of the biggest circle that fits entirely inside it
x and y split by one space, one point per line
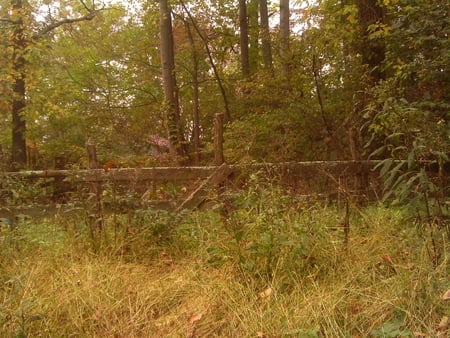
193 173
150 184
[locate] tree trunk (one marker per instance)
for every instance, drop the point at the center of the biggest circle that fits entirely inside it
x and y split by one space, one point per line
372 51
243 29
195 85
253 18
169 79
265 35
19 149
284 36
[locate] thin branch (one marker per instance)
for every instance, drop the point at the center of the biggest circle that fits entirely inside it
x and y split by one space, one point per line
91 15
328 127
319 96
86 6
211 60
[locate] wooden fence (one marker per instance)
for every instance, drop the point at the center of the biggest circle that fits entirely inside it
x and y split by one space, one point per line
186 187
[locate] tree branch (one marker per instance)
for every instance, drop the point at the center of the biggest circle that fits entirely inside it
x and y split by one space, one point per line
89 16
86 6
211 60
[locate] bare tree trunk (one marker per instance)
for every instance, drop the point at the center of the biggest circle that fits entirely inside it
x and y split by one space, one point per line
265 35
243 28
284 36
169 80
19 149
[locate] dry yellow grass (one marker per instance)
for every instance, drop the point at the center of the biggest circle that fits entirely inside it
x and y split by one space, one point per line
52 285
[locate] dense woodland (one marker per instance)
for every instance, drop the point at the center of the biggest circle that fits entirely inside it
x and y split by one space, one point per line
295 80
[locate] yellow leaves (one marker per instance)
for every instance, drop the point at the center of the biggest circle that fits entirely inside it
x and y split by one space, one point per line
351 14
352 19
390 2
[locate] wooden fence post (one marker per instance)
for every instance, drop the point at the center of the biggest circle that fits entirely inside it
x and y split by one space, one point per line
218 139
361 179
96 212
92 154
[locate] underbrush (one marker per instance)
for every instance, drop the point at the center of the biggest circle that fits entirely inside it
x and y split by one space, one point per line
259 263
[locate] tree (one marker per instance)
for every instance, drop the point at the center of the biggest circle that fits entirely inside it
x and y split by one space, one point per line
266 45
108 78
99 80
19 46
244 40
254 36
196 93
371 19
24 35
169 78
212 62
284 36
410 106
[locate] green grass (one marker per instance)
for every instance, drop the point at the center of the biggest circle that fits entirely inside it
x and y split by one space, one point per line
271 266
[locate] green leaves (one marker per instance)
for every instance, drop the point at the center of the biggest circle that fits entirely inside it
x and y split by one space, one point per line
410 108
391 330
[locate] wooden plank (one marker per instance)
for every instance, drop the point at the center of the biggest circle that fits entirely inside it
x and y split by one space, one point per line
193 173
199 194
218 139
314 167
160 174
52 210
120 174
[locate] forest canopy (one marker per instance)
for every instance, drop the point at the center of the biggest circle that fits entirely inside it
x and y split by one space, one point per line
295 80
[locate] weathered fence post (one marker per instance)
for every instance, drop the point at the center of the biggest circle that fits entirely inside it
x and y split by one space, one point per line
92 154
218 139
220 161
361 179
95 210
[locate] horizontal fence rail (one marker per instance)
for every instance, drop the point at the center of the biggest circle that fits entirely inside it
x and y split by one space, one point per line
193 173
174 188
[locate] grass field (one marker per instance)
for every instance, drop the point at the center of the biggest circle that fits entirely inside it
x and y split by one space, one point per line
271 266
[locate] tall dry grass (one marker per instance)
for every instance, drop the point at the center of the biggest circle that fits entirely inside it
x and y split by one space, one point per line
272 267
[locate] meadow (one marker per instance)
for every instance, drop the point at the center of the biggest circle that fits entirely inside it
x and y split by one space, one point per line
262 263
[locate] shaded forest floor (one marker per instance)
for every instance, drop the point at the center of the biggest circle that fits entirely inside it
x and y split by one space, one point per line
271 266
